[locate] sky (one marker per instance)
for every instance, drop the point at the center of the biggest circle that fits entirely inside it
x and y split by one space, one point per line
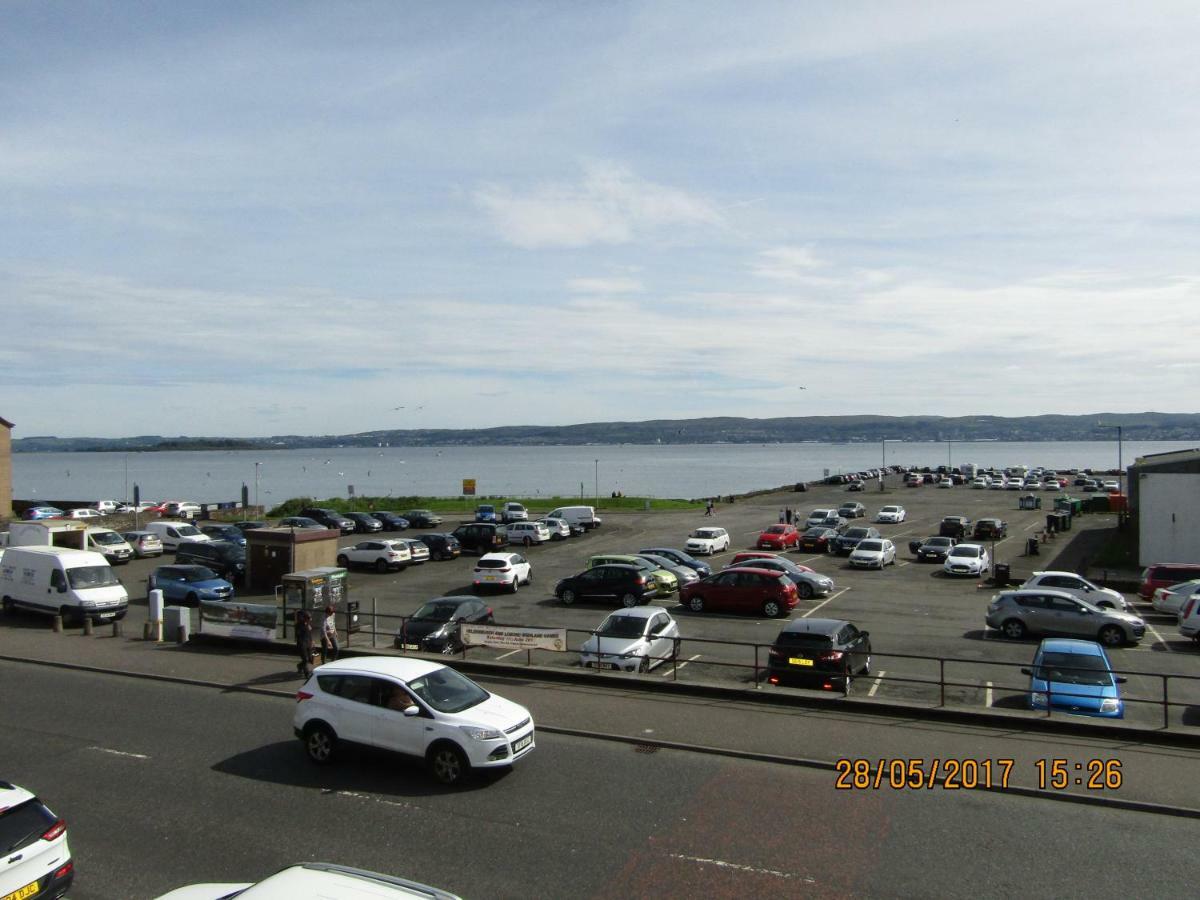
248 219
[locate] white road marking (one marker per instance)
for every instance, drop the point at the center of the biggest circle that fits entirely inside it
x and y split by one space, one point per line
832 596
1033 526
668 673
757 870
508 654
815 558
902 562
1158 637
875 685
119 752
354 795
987 695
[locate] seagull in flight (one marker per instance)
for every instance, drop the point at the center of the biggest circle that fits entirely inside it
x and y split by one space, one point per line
397 407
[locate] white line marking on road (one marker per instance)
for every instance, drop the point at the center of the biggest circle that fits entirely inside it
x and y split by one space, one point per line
902 562
667 673
119 752
354 795
508 654
1033 526
1158 637
987 696
901 533
815 558
757 870
875 685
833 596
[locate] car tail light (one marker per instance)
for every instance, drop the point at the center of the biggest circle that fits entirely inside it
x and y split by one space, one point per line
1187 609
64 869
831 656
639 580
773 679
489 611
55 830
303 695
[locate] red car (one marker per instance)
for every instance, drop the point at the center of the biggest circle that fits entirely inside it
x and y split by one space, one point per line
743 589
779 537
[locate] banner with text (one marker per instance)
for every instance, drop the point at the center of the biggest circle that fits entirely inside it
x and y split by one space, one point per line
238 620
514 638
468 487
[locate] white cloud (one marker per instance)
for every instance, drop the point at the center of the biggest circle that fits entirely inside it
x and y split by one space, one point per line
610 205
786 263
605 286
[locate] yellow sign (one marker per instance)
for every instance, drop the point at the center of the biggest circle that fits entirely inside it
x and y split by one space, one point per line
469 487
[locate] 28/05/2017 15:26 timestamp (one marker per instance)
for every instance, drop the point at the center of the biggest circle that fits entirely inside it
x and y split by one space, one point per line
967 774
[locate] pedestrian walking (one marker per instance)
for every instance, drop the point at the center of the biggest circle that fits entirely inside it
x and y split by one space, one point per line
708 510
304 642
788 514
781 515
329 641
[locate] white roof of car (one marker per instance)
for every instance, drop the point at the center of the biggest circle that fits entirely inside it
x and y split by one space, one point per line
403 668
11 795
312 882
505 557
636 612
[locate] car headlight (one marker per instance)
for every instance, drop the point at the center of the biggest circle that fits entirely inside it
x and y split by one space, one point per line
481 734
1038 699
1110 704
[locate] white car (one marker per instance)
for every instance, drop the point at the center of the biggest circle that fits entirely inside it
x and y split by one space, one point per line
172 534
35 860
1111 487
817 516
311 880
108 507
966 559
1078 586
558 528
385 556
185 509
980 484
416 707
1171 599
84 513
1051 486
707 541
997 484
873 553
508 570
632 640
891 515
528 533
946 483
513 512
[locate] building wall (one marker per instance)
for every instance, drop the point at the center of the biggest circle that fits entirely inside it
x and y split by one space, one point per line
5 470
1168 517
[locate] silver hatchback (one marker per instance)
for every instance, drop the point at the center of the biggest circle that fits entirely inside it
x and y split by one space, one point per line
1025 612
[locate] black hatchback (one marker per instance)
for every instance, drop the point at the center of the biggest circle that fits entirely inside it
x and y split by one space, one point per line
629 584
390 520
434 627
225 558
441 546
823 653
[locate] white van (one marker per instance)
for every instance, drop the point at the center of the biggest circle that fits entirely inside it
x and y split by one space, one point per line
111 545
577 515
52 580
172 534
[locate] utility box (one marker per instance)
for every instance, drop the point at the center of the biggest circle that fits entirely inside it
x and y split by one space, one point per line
314 589
271 553
50 533
1030 501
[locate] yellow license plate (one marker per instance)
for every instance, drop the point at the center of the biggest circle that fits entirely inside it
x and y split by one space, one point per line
21 893
797 661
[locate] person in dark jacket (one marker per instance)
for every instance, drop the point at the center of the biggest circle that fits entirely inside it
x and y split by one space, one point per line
304 642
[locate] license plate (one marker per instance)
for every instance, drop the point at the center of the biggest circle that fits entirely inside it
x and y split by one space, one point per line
524 742
490 578
412 646
28 891
603 665
797 661
106 615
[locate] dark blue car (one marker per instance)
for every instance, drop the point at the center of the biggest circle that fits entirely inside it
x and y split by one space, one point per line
678 557
188 585
1075 677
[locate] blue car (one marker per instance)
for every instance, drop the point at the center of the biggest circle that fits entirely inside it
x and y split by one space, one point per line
42 512
225 533
1075 677
680 558
486 513
188 585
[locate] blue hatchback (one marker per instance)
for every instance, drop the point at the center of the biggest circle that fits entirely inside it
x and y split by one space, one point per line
188 585
1075 677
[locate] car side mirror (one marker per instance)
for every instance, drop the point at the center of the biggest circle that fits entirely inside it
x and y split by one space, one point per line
411 711
1121 679
1026 671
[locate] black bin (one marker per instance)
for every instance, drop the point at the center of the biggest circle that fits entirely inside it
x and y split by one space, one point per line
1052 522
353 623
1003 574
1031 547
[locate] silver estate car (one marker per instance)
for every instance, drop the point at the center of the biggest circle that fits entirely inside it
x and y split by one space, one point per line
1025 612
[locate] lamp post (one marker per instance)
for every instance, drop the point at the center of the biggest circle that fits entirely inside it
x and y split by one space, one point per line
950 453
256 465
1120 448
597 498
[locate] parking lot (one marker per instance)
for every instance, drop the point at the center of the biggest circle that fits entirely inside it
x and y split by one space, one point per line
925 627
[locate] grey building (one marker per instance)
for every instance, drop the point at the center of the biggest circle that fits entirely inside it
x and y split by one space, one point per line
1164 492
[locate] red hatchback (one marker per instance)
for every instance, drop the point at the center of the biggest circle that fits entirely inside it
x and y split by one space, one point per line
779 537
743 589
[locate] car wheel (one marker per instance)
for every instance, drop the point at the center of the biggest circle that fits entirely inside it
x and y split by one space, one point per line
696 603
9 609
516 584
644 665
381 566
674 649
567 597
529 577
866 669
342 561
628 600
447 764
1014 629
528 541
771 609
1112 636
449 649
804 590
320 743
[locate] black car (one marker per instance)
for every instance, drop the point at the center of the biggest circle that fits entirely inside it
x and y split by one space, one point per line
364 523
628 584
434 627
845 543
330 518
441 546
818 539
243 527
391 521
957 527
301 522
824 653
481 537
702 569
225 558
990 528
935 549
225 533
423 518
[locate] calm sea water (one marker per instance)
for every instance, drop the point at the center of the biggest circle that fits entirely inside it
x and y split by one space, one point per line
687 471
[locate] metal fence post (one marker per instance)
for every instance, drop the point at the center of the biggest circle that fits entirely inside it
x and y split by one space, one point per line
942 680
374 621
1166 703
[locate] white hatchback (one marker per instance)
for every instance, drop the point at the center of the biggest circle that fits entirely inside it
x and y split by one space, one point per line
383 555
966 559
507 570
419 708
891 515
632 640
36 860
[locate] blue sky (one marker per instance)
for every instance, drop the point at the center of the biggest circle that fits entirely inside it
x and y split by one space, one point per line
269 218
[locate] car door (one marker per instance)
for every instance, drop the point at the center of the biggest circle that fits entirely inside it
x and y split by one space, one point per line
1070 617
349 707
595 582
661 639
391 729
1031 610
748 593
721 591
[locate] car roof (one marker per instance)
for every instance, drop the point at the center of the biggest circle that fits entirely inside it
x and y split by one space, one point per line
1039 592
404 668
11 795
636 612
1072 645
498 556
757 570
454 598
814 626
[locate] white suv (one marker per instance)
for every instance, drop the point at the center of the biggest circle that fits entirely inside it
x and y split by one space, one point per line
314 879
36 859
528 533
416 707
707 541
510 570
514 512
383 555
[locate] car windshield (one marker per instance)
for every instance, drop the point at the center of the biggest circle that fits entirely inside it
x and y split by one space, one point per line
1073 668
890 509
107 537
199 574
870 545
856 533
91 577
704 533
938 542
188 531
436 612
622 626
776 529
965 551
448 692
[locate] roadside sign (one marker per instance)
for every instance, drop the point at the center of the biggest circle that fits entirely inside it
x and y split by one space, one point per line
468 487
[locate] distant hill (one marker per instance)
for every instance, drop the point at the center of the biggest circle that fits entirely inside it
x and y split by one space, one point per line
1148 426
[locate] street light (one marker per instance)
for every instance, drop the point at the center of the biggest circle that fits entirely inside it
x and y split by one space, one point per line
1120 448
597 500
256 465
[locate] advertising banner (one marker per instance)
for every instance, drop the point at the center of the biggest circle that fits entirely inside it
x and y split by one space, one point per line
468 487
238 620
514 638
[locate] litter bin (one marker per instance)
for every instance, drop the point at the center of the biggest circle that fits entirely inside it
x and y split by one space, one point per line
1064 521
1052 522
1003 574
1030 501
1031 547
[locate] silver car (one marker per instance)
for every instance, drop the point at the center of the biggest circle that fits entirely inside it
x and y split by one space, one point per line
808 583
632 640
683 574
1024 612
1077 586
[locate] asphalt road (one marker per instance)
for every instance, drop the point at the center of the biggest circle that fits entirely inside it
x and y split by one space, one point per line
910 609
166 784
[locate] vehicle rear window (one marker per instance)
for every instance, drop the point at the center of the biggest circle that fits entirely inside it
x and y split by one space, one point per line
23 824
804 639
107 537
492 564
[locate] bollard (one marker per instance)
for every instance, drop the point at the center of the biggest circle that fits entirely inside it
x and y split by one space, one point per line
117 630
181 635
145 631
56 624
87 625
